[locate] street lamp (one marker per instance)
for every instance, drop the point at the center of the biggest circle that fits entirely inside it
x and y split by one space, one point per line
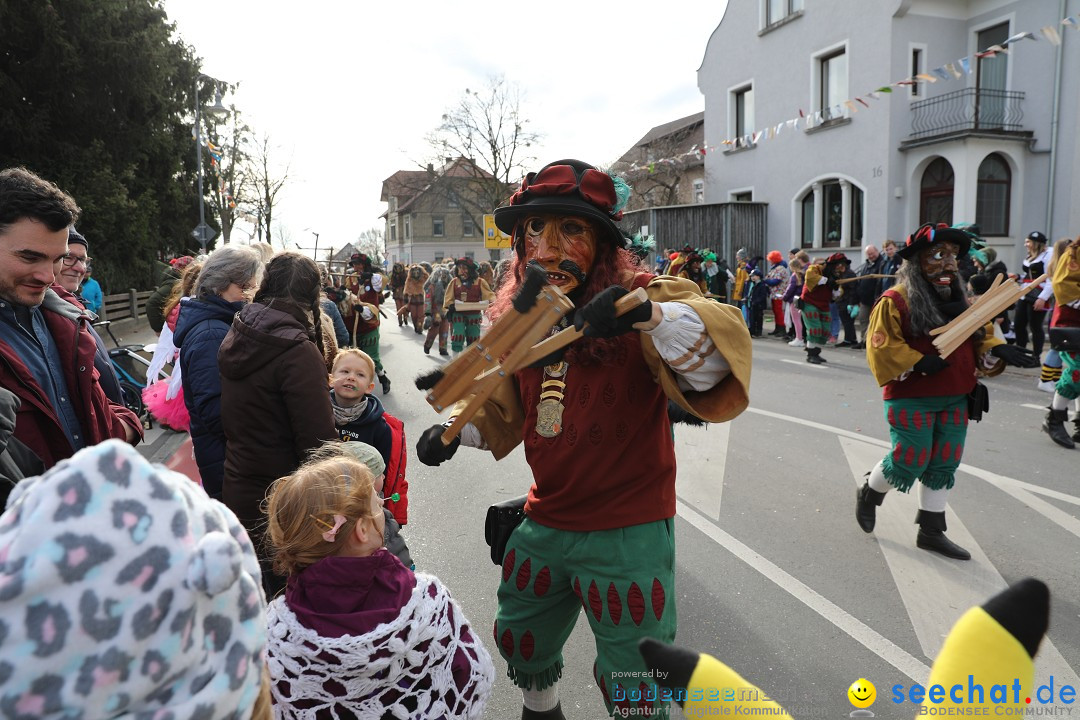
316 255
216 110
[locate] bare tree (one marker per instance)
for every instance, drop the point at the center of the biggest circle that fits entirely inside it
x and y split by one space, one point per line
232 189
371 243
488 128
658 166
268 182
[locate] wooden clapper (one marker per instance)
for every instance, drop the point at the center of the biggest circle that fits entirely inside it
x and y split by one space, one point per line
987 306
509 345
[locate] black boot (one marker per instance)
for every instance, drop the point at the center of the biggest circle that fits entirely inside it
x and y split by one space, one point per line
427 348
1054 425
932 536
442 351
867 501
554 714
813 356
385 383
1076 434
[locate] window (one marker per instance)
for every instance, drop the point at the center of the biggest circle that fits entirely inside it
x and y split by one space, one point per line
833 84
777 10
408 228
855 232
747 196
439 256
438 226
808 220
699 191
452 200
916 69
832 202
468 227
393 230
936 193
743 101
992 195
470 255
990 79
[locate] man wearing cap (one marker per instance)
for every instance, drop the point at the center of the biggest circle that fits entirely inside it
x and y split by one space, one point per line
926 395
820 289
363 322
594 421
46 348
467 286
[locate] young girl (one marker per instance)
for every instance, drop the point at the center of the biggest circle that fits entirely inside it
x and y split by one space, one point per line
164 398
360 417
357 633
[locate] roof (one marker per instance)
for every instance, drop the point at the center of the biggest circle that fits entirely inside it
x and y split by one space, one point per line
408 185
671 138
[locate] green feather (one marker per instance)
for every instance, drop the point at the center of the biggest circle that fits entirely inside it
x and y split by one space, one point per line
622 193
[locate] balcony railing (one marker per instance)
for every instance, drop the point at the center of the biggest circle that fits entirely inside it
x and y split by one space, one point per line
967 110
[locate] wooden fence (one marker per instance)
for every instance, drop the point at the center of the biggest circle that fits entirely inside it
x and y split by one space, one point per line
129 305
720 227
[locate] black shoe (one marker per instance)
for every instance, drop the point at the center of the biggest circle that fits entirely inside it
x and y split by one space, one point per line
932 536
427 349
442 351
554 714
859 346
1054 425
867 501
385 383
813 356
1076 435
845 343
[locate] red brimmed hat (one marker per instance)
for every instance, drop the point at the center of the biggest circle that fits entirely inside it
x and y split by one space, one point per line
837 257
568 187
930 234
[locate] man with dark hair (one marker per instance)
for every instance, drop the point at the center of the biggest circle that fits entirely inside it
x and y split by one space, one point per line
466 287
598 527
46 348
926 395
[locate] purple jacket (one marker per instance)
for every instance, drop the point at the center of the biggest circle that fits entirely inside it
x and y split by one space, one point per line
794 288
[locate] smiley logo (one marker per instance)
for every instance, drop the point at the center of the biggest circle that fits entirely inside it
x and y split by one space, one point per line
862 693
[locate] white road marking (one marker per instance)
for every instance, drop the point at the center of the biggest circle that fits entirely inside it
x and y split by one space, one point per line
803 363
1033 407
862 633
700 480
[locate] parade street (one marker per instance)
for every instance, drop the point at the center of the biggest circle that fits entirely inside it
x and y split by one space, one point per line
774 576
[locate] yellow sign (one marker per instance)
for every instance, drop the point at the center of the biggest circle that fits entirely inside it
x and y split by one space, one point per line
494 238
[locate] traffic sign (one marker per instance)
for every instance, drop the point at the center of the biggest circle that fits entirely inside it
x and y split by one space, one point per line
203 233
494 238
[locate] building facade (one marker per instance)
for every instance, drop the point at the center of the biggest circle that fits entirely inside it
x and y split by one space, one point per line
666 166
438 214
984 138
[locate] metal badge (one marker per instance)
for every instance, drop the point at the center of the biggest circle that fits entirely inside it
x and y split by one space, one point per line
549 417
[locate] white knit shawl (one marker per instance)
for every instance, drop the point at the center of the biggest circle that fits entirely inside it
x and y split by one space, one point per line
399 665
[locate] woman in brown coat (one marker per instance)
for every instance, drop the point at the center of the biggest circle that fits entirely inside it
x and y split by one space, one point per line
275 405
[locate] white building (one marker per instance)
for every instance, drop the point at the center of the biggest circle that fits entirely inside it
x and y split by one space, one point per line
996 146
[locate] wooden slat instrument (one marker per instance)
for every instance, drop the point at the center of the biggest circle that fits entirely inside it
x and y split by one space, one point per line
509 345
987 306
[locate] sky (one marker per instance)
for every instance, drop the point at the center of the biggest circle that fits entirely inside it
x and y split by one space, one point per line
347 91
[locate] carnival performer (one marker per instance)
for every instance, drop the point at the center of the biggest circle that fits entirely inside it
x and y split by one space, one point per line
599 518
820 289
926 395
467 286
1065 339
397 291
363 321
691 270
434 294
413 292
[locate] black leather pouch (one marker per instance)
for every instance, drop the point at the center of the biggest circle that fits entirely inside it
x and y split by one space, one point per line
978 402
501 520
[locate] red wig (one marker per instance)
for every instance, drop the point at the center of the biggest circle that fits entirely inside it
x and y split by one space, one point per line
609 268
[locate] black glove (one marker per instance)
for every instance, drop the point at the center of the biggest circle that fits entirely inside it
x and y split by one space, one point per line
599 313
1017 356
931 364
430 449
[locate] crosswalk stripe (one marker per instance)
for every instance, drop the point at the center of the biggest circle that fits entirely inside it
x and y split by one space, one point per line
700 480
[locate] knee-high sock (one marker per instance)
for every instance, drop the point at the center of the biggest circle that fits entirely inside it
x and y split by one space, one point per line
1059 402
933 500
541 700
877 479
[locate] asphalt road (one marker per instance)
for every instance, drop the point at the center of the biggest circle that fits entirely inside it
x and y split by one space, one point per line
774 576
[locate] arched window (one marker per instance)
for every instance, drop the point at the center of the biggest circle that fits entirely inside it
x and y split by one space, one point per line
936 193
992 195
832 193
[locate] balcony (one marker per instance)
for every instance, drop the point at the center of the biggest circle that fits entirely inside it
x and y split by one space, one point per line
970 111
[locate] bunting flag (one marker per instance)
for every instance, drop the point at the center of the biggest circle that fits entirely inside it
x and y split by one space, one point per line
955 70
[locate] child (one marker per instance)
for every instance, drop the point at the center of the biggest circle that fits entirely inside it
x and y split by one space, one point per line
369 457
758 294
127 592
357 634
360 416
